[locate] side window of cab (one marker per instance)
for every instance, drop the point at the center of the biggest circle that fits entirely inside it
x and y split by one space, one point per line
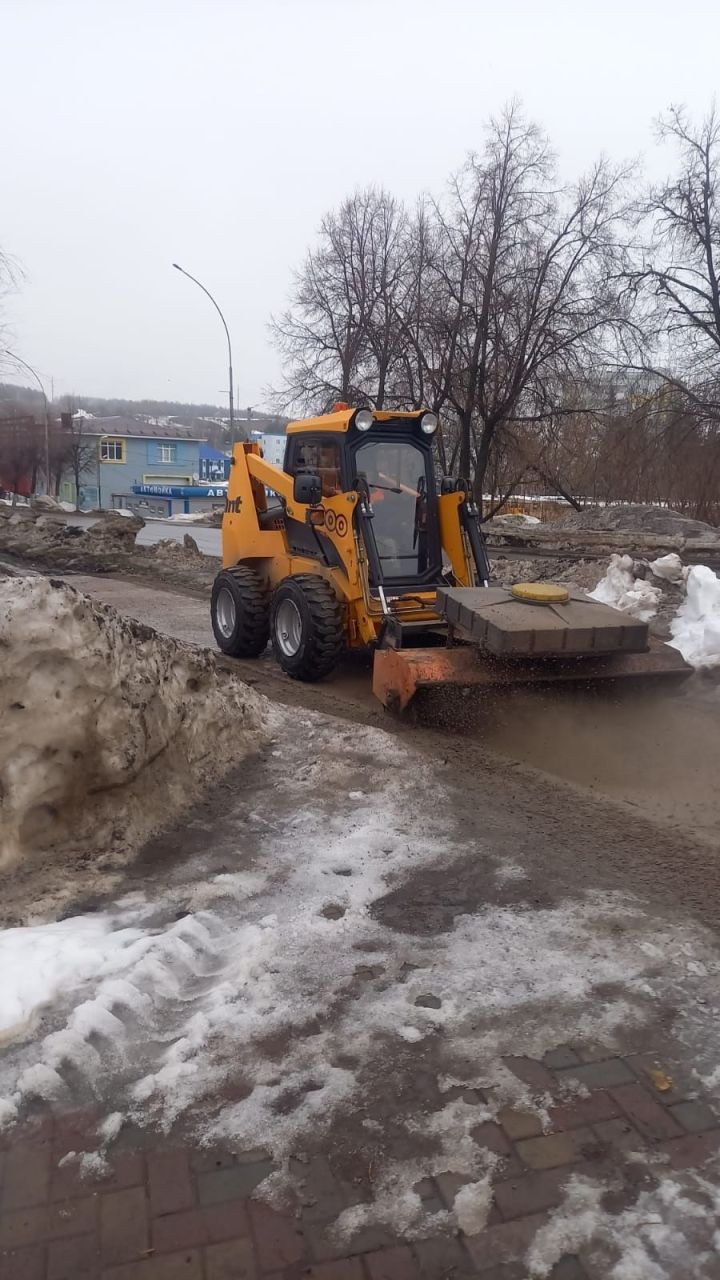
320 458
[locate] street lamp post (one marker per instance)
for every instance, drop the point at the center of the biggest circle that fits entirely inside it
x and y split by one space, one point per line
30 369
227 335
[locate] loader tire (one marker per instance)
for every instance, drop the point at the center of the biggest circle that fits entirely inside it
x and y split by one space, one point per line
240 612
306 627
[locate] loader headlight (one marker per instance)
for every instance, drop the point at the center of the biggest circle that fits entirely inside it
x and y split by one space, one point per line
363 419
428 423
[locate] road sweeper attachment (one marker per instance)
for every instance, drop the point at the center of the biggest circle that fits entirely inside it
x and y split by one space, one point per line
534 633
353 544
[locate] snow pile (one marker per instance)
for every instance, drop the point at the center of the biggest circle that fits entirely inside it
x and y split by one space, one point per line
670 568
672 1230
44 502
184 517
212 517
517 518
101 717
40 962
695 629
621 589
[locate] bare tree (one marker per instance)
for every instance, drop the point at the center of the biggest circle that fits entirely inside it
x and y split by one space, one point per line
336 334
678 276
527 285
10 276
72 450
477 305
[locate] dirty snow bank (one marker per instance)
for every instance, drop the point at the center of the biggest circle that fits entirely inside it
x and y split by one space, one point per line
101 717
621 589
695 629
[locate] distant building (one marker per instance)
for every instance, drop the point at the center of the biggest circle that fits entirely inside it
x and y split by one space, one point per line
270 435
153 469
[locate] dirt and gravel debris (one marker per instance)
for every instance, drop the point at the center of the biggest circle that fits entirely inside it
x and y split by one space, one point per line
45 541
633 517
596 533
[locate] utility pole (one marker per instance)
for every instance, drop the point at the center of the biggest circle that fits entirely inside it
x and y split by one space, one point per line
36 376
227 335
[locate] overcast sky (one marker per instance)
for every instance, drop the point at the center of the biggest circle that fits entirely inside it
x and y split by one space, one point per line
215 133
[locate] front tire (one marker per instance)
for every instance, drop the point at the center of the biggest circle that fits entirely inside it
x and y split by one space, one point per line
240 612
306 627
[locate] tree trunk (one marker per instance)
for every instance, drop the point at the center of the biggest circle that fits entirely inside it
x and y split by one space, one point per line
555 483
483 457
465 432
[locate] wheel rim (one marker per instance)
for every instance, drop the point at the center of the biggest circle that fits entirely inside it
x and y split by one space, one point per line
288 628
226 613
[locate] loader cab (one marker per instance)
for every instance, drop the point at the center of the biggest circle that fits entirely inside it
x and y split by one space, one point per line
390 464
393 465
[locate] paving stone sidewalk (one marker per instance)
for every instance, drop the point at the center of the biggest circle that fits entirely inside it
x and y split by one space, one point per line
183 1213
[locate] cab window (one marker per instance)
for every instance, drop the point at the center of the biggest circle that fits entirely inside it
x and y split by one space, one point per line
320 458
396 473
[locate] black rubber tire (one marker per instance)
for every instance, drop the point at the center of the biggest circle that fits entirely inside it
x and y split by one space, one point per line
322 639
251 631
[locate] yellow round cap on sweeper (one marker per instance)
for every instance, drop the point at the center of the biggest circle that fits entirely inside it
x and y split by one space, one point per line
540 593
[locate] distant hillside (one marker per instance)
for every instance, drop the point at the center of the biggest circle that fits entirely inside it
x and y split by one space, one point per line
107 407
209 419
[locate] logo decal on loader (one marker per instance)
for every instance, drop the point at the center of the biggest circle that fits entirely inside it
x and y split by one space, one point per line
336 523
233 505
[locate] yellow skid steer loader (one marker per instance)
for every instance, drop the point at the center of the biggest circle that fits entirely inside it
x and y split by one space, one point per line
354 544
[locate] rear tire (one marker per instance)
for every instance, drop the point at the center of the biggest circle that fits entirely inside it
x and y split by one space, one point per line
306 626
240 612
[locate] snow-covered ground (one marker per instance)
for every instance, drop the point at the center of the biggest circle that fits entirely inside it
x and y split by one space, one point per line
671 1230
278 1006
260 992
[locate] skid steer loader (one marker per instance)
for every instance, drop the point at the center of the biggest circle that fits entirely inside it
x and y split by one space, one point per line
354 543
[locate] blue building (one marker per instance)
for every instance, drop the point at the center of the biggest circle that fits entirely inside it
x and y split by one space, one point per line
214 464
156 470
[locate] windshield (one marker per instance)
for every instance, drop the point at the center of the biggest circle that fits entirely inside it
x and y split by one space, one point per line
396 477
